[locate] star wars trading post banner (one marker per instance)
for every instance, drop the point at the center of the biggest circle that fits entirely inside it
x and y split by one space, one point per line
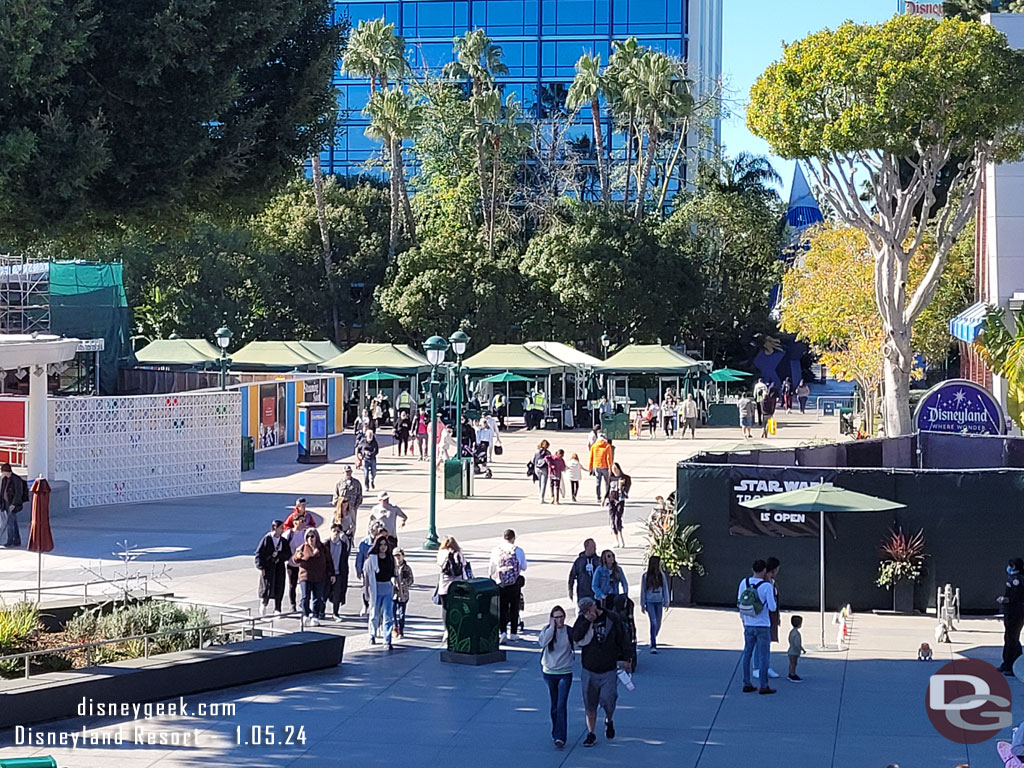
754 482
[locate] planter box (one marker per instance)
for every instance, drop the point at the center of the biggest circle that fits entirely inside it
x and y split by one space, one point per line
56 695
903 597
681 589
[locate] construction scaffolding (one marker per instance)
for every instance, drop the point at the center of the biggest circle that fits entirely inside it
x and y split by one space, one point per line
24 294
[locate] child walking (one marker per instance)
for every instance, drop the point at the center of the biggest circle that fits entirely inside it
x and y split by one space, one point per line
403 579
556 466
575 471
796 647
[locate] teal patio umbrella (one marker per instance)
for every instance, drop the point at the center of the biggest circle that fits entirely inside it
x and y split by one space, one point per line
377 377
822 498
724 376
735 372
505 378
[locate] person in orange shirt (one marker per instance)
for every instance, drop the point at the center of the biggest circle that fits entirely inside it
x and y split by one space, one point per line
600 465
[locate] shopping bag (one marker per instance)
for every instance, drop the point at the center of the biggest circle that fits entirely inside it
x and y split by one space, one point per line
771 426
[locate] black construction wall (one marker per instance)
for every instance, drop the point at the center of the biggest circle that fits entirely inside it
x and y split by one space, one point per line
973 522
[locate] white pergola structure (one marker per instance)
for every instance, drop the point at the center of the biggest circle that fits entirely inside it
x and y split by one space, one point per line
36 352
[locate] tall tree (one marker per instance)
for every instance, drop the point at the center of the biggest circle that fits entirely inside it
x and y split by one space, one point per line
480 61
619 80
117 111
394 117
859 102
586 91
375 52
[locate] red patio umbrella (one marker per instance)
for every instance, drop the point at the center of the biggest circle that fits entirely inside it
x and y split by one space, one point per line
40 539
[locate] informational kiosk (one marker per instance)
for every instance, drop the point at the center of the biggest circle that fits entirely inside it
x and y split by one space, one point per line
312 437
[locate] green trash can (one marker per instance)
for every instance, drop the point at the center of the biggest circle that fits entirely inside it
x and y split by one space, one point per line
248 454
615 425
472 617
453 482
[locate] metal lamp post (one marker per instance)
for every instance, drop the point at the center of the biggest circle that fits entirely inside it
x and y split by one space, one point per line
605 342
458 342
223 335
435 347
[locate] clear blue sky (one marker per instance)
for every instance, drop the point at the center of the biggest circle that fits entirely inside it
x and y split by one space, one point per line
753 33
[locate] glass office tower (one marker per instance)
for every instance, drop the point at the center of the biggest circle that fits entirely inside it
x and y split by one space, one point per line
541 40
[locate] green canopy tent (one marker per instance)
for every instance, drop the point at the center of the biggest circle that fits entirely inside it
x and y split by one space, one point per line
367 357
520 359
282 355
647 359
190 353
822 498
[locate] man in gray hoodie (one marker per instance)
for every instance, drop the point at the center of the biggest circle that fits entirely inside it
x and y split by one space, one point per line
582 571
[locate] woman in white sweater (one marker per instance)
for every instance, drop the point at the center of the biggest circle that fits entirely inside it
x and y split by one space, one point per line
556 663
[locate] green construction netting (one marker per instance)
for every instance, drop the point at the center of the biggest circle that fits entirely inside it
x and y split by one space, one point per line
87 301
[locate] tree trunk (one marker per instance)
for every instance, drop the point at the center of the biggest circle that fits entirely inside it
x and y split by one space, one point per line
645 172
898 359
629 161
481 172
602 169
325 240
493 199
395 202
410 224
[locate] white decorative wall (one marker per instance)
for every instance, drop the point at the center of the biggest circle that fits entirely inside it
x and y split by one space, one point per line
114 450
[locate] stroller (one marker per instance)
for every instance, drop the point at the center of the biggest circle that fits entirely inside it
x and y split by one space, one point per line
622 607
478 453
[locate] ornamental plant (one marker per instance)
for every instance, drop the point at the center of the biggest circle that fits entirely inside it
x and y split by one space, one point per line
678 548
903 558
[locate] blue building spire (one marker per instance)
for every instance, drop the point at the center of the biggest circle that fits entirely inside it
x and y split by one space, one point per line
803 209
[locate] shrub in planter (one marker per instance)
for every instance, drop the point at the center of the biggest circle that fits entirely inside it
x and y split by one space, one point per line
902 565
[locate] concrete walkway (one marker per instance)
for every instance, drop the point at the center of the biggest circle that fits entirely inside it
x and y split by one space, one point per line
861 707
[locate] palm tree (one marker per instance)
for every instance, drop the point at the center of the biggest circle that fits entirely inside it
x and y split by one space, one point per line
587 88
479 60
394 117
619 80
1002 349
661 95
375 52
745 174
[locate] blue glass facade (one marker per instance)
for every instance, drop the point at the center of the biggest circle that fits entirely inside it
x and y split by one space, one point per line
541 40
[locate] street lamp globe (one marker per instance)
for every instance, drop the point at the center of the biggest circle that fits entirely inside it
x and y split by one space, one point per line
605 341
435 347
459 340
223 335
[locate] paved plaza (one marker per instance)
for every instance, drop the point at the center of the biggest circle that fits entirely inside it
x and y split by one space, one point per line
860 707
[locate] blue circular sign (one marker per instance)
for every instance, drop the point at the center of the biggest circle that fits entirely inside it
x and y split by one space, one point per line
960 407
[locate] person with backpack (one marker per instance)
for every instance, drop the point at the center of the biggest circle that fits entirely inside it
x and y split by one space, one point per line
755 601
618 491
507 564
453 566
556 657
13 495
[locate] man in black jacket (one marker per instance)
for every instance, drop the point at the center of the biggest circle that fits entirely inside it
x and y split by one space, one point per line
582 572
13 495
1012 601
367 451
602 639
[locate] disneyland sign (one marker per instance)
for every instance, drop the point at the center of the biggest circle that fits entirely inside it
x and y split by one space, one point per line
928 10
959 406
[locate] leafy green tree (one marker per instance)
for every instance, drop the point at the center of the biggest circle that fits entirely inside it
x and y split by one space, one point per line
731 238
118 111
860 102
972 10
606 272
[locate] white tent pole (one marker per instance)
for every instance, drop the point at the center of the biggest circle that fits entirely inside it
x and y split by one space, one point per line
821 567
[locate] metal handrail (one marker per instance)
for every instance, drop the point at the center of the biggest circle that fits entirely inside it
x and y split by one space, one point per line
27 655
24 591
